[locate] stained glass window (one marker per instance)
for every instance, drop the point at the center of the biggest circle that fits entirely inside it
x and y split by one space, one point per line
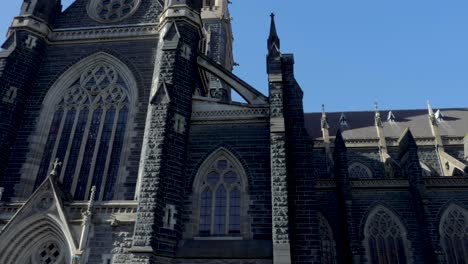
327 242
221 216
87 133
111 10
454 234
386 238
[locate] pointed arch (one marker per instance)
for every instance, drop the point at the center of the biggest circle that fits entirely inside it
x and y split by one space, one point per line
220 198
25 242
84 121
385 237
453 230
327 241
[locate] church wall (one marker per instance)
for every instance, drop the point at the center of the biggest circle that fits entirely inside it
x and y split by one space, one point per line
456 152
137 55
328 204
401 203
320 164
438 201
222 261
368 157
76 15
108 241
429 156
18 72
250 143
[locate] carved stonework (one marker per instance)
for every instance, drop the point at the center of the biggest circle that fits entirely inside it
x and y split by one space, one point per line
110 11
279 190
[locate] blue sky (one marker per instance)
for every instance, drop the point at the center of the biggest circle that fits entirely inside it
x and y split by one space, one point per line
350 54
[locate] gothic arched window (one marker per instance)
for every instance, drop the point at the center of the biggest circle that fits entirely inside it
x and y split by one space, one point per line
221 188
385 238
327 242
454 234
359 171
88 130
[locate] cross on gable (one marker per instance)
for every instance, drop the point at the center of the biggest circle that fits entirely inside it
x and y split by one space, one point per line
55 166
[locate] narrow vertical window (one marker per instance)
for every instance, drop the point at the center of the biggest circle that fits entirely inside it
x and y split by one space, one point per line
454 234
234 212
385 237
205 212
220 212
327 242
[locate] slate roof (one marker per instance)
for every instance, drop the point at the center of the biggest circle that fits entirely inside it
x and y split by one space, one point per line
360 125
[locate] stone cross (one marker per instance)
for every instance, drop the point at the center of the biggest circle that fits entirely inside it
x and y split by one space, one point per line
55 166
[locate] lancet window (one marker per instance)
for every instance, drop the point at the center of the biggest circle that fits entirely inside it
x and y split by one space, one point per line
221 186
454 234
87 132
385 238
327 242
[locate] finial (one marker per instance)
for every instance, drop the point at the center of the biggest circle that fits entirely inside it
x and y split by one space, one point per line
343 120
391 117
429 108
93 193
273 39
378 121
55 166
324 118
91 200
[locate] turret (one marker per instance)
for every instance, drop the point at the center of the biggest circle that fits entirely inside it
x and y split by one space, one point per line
46 10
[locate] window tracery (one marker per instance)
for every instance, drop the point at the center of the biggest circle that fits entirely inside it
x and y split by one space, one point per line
359 171
87 132
49 253
454 234
111 10
327 242
220 201
221 207
385 238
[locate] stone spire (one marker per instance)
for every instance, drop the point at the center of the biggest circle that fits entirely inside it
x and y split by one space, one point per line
273 39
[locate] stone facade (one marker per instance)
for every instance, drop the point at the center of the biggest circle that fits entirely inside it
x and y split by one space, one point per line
180 174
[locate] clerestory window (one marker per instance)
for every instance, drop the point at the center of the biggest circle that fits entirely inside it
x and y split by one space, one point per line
454 234
358 170
385 238
87 132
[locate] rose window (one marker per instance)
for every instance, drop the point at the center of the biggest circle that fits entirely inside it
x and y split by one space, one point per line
112 10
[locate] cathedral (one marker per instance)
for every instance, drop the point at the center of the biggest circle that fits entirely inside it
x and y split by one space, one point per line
120 143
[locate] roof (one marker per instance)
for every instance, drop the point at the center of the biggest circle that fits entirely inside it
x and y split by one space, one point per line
360 125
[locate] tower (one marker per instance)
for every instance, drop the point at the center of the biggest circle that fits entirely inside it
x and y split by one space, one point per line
217 43
23 52
166 134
